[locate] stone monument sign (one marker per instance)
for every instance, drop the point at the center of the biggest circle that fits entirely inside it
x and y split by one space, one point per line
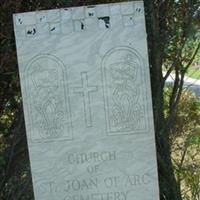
85 84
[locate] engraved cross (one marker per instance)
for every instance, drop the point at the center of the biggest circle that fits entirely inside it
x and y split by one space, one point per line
85 91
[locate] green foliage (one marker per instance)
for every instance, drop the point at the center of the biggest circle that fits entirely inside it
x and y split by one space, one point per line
183 36
185 145
194 73
173 37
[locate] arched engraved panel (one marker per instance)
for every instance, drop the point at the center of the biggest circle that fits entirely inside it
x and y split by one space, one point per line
123 86
48 103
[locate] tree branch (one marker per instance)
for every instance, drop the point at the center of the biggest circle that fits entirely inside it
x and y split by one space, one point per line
193 57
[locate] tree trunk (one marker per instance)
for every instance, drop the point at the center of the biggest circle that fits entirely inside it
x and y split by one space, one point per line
169 188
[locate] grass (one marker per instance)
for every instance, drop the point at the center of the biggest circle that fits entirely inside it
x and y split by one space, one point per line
193 73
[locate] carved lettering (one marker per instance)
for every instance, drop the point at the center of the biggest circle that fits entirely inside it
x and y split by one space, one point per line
91 157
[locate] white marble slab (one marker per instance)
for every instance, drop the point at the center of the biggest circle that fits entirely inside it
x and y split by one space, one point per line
85 83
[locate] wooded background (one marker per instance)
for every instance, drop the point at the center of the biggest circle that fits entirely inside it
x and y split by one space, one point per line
173 41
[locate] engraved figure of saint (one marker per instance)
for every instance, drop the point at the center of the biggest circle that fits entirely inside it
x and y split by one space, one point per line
125 111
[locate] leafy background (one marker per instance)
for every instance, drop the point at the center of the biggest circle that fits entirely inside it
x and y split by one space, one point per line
173 43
